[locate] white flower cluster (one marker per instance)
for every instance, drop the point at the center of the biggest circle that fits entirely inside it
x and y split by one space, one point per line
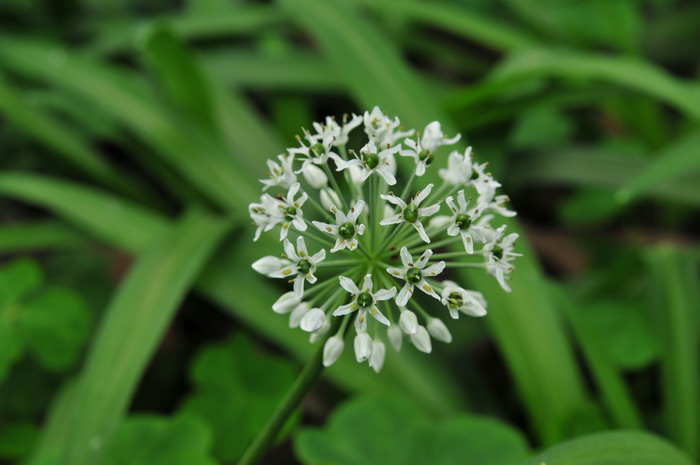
373 241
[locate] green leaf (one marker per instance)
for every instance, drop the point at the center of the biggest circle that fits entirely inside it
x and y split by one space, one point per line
11 346
613 448
677 321
625 332
38 235
541 127
393 431
237 389
151 440
632 73
56 325
133 325
18 279
679 159
17 439
60 138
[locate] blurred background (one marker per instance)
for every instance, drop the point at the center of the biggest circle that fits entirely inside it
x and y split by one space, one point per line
132 135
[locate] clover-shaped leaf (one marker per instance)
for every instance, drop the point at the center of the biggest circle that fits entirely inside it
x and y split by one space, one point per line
152 440
393 431
50 323
237 389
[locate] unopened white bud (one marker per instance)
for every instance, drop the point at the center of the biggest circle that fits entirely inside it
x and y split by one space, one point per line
332 349
395 337
363 347
408 322
388 211
376 360
313 320
329 197
422 340
286 303
315 176
269 264
439 221
297 314
439 331
319 333
355 174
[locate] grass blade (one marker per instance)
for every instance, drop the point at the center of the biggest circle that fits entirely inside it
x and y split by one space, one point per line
38 235
133 326
679 158
676 278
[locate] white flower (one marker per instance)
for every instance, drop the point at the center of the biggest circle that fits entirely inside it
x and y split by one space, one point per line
408 322
381 130
363 347
285 304
498 252
332 350
439 331
315 176
464 222
395 337
328 172
291 210
414 274
459 169
421 340
371 160
412 213
313 320
268 265
344 230
458 299
433 137
376 359
266 214
317 152
281 174
302 267
364 300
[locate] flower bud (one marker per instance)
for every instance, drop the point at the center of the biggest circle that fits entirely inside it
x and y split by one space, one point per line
408 322
422 340
269 264
319 333
355 174
439 331
286 303
395 337
376 360
313 320
314 176
297 314
439 221
363 347
388 211
332 349
329 197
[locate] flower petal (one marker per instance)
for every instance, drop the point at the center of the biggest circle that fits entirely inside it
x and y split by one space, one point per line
349 285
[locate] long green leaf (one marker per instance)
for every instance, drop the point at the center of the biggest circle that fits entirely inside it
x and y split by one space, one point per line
613 448
60 139
133 326
580 166
676 278
680 158
632 73
47 234
524 322
196 156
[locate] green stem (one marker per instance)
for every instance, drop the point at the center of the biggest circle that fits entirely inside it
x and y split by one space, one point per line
306 380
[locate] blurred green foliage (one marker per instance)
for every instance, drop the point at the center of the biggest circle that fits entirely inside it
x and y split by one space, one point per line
117 117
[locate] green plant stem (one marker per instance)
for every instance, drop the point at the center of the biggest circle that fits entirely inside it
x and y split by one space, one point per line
304 383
